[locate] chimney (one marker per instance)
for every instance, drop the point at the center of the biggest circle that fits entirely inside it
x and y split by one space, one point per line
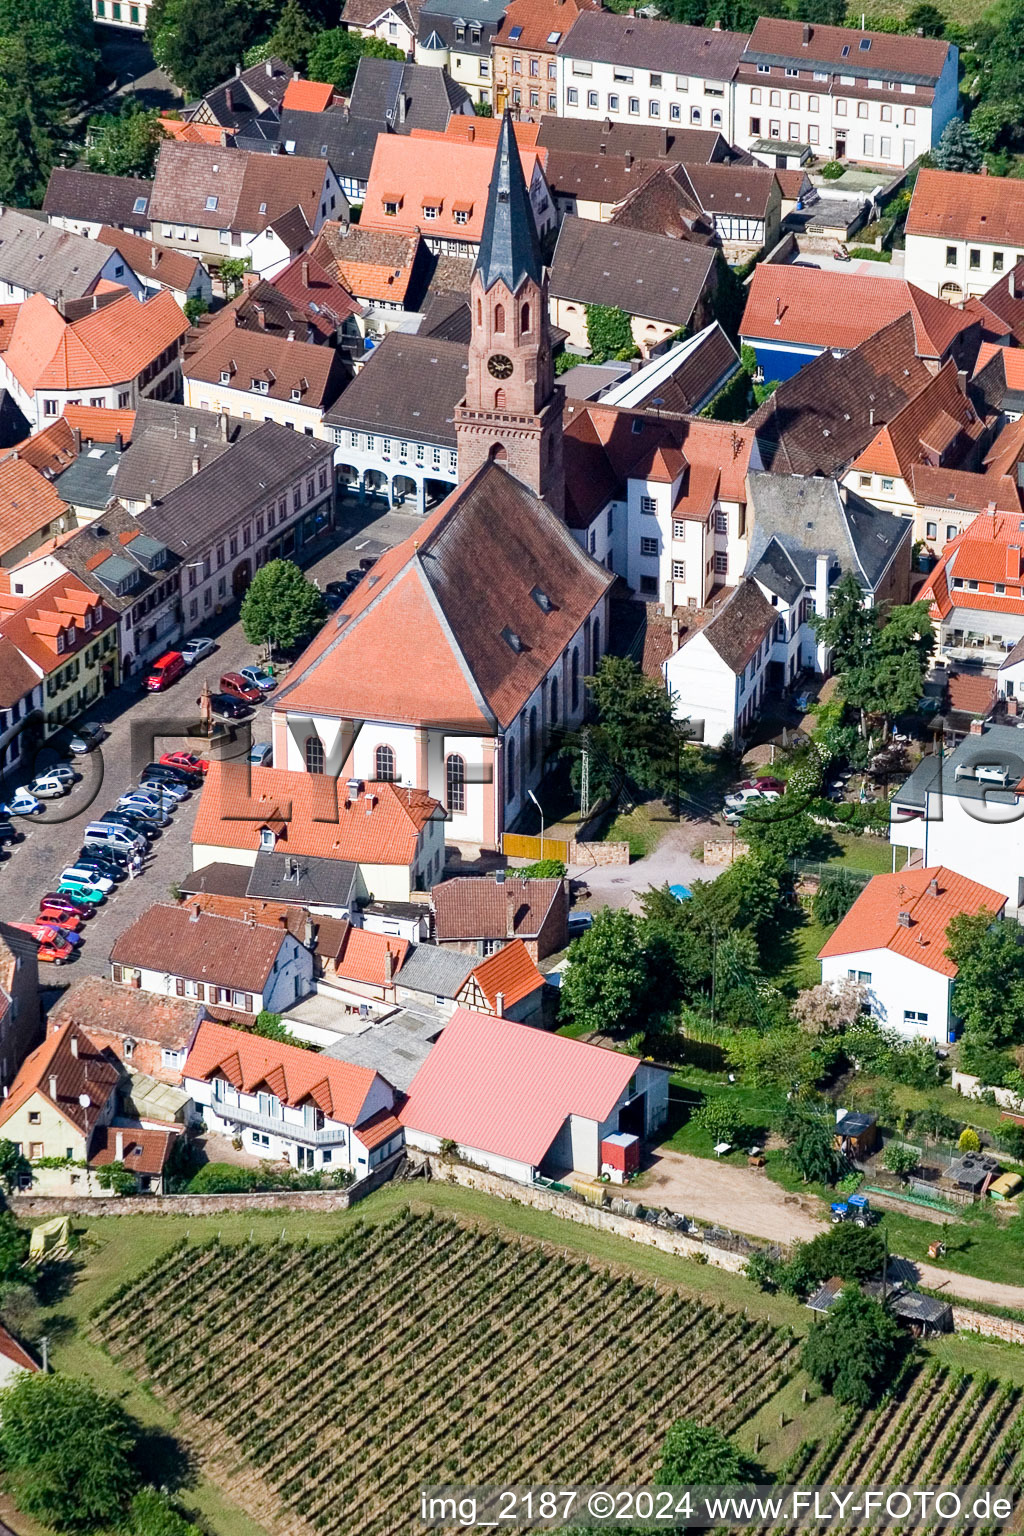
305 274
821 584
511 905
717 27
1013 561
1009 284
499 877
904 919
223 426
196 464
74 1046
194 914
261 317
977 728
401 107
192 433
308 933
238 71
499 1004
225 138
629 159
933 887
76 438
119 441
389 965
269 69
805 40
871 416
229 97
119 1146
53 1085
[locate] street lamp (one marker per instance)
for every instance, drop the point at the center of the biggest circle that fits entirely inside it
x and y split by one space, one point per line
540 808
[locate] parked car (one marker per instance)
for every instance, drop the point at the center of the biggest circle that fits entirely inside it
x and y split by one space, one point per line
83 889
142 805
237 686
764 783
579 922
165 791
165 671
261 754
257 678
195 649
368 562
355 575
47 787
54 951
22 803
62 909
9 832
164 772
335 593
111 832
104 863
129 822
85 738
44 932
184 762
62 772
84 876
742 798
226 704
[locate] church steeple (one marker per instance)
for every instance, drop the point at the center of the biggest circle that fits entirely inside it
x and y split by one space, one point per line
512 412
509 248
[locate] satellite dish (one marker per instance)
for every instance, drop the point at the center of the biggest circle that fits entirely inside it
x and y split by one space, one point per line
84 1100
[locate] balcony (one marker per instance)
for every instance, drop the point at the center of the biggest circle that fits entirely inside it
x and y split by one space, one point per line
329 1137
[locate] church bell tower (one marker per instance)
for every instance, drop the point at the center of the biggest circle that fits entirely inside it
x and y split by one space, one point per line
512 412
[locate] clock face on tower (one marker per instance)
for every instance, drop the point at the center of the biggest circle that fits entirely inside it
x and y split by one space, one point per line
499 366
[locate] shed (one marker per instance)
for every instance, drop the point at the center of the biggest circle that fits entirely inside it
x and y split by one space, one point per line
856 1133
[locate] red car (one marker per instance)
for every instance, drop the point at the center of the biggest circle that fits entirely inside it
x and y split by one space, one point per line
58 909
236 687
69 922
765 783
188 762
53 948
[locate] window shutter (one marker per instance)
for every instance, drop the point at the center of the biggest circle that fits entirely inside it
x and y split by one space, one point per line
179 985
248 1002
115 971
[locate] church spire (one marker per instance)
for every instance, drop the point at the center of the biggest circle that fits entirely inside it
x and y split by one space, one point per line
509 248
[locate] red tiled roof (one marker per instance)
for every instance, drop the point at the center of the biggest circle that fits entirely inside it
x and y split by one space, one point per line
509 971
372 264
1013 362
307 96
310 814
971 692
143 1151
362 956
475 907
33 624
12 1350
8 315
832 46
295 1075
52 448
928 425
873 920
111 345
430 170
108 1008
101 425
508 1089
543 24
152 263
960 206
28 502
962 490
378 1129
80 1069
191 133
1007 450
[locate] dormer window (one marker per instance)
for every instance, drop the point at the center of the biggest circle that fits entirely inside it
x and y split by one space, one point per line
87 620
268 840
390 209
261 386
60 644
431 210
225 375
296 395
71 634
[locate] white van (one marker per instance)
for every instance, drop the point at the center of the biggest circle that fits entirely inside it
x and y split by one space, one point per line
107 834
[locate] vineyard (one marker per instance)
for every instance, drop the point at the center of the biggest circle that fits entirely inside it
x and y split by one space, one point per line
325 1383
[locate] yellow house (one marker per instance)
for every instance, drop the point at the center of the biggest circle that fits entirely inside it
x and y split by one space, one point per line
68 637
59 1114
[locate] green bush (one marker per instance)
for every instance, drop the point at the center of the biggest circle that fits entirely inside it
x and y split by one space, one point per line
544 869
566 360
868 253
832 170
609 332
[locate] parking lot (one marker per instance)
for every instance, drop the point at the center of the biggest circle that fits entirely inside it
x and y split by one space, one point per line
50 841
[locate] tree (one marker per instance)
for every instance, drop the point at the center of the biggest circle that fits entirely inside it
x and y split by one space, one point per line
153 1514
719 1118
281 607
194 307
957 149
13 1165
847 629
988 993
232 272
926 19
199 44
829 1007
810 1133
899 1159
48 59
968 1140
781 827
125 144
616 983
831 13
66 1449
853 1351
293 37
636 743
609 332
834 897
117 1178
698 1455
846 1250
334 57
13 1247
884 674
270 1027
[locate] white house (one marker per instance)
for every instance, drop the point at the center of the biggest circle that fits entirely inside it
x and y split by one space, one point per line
36 257
964 233
181 951
892 942
286 1102
717 677
521 1102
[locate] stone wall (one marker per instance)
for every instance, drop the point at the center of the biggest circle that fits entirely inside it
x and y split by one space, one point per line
591 854
587 1215
967 1321
722 850
44 1206
972 1088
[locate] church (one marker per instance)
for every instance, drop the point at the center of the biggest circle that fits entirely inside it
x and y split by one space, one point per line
466 647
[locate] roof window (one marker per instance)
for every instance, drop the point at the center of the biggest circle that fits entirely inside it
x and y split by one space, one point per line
211 204
139 205
845 51
542 600
553 37
515 34
865 44
512 640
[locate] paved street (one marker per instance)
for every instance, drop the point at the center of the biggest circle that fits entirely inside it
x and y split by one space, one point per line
51 841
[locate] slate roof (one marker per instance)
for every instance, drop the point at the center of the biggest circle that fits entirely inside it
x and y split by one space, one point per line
403 96
740 625
251 190
194 515
88 1073
955 205
396 1048
341 138
303 880
436 971
445 628
409 387
811 515
681 380
447 317
42 258
110 1008
647 275
112 535
89 479
163 447
90 195
659 45
248 94
509 249
221 950
363 13
816 422
608 140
